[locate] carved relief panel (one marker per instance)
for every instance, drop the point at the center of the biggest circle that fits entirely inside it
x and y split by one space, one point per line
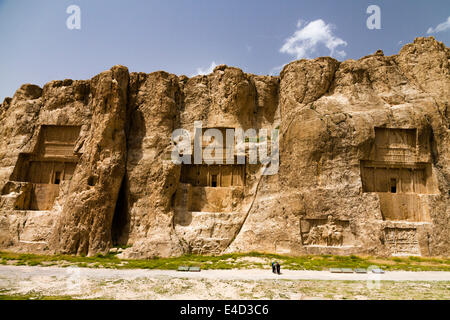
326 232
402 241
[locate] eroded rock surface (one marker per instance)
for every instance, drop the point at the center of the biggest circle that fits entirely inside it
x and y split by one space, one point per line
364 161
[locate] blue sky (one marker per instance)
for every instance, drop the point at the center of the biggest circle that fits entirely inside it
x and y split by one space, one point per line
190 36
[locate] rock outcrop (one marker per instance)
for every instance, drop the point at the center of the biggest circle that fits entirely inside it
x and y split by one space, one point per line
363 148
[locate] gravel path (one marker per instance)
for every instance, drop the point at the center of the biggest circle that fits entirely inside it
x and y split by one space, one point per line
88 283
252 274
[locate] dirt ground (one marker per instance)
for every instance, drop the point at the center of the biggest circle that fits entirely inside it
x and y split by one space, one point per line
85 283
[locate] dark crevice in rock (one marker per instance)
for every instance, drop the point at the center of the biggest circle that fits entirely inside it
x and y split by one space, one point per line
121 220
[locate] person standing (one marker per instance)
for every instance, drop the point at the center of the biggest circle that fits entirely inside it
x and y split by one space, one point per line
273 267
278 268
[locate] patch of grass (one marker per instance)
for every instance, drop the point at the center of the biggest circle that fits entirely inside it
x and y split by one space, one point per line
231 261
122 246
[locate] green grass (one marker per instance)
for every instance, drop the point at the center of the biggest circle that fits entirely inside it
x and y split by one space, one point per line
166 288
231 261
33 297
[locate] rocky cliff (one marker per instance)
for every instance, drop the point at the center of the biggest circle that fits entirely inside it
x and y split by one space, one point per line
363 148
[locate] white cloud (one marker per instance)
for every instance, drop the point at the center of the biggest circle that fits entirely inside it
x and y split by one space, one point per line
305 41
276 70
204 71
440 27
300 23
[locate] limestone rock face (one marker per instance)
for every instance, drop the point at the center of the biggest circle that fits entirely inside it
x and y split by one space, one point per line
151 179
81 216
363 149
85 222
227 97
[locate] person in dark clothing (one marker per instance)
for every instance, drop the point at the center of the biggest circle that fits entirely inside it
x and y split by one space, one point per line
274 267
278 268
